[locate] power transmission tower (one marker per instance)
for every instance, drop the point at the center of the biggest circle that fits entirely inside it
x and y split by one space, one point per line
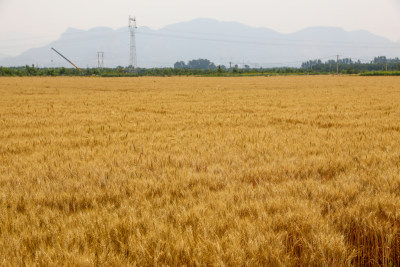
132 56
100 60
337 64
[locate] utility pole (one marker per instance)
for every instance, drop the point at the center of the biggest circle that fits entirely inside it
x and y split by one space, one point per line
230 66
337 64
61 55
132 56
100 60
52 61
386 66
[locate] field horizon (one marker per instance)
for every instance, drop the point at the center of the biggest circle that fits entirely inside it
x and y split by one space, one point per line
277 171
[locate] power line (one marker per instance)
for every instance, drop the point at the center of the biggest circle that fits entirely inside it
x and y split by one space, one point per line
357 59
93 34
263 38
262 42
289 42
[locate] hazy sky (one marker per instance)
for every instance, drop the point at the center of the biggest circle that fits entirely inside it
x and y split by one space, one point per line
26 23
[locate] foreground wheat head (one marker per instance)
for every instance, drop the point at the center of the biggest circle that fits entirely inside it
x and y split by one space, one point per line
278 171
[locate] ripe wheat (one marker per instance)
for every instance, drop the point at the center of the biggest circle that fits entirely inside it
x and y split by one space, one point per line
200 171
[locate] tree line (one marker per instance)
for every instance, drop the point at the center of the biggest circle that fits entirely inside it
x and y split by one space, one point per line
204 67
349 66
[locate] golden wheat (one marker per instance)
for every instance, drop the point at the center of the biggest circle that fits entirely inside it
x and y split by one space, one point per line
200 171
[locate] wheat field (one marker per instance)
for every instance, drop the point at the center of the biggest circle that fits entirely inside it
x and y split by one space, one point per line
272 171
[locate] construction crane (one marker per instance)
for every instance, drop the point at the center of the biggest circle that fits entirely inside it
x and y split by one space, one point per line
66 59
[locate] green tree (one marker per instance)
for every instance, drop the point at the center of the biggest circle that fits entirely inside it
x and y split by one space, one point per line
201 64
31 71
180 65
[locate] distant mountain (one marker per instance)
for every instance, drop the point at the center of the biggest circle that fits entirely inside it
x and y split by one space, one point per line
220 42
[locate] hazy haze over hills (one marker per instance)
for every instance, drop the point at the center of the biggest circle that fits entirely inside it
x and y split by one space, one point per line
218 41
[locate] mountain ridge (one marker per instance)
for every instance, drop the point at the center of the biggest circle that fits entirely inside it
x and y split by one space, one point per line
219 41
